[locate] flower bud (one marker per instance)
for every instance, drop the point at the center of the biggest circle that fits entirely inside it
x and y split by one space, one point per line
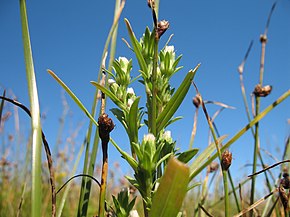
226 160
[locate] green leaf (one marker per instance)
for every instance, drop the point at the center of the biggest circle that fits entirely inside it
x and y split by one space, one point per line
137 48
133 120
175 101
187 155
131 161
73 96
112 96
170 194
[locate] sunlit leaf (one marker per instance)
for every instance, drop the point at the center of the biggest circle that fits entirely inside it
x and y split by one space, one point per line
137 48
170 194
175 101
110 95
187 155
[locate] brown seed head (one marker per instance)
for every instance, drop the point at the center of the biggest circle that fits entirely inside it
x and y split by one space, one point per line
263 38
151 2
106 125
285 181
162 26
196 101
213 167
262 91
226 160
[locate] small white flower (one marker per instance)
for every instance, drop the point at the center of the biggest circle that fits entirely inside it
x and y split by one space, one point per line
149 137
167 134
133 213
130 102
111 81
169 49
124 60
130 91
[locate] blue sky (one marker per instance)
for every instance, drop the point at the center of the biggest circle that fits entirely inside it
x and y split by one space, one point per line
68 37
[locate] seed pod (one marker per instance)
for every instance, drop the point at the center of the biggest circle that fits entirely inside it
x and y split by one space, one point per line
262 91
151 2
106 125
196 101
285 181
226 160
213 167
162 26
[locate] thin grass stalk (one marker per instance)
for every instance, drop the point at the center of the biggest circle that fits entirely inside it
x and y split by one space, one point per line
229 173
263 40
241 70
65 194
193 132
224 172
86 143
89 166
35 117
242 131
257 106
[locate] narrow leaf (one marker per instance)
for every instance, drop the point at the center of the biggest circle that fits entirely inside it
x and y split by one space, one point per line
186 156
133 117
73 96
172 189
175 101
110 94
137 48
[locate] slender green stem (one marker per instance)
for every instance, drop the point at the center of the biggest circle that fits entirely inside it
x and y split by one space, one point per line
261 115
154 87
35 116
226 193
257 139
234 191
90 165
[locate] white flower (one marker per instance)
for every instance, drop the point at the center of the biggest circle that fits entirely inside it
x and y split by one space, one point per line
130 91
169 49
149 137
133 213
167 134
124 60
111 81
130 102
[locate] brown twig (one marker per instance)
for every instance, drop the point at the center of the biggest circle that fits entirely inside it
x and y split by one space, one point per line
269 167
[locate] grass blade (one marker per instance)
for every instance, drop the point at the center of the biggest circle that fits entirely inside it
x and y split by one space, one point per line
35 115
73 96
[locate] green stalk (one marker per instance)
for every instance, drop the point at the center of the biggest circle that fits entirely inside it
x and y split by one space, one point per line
153 103
241 70
257 139
234 191
224 172
35 116
89 168
65 194
196 171
226 192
